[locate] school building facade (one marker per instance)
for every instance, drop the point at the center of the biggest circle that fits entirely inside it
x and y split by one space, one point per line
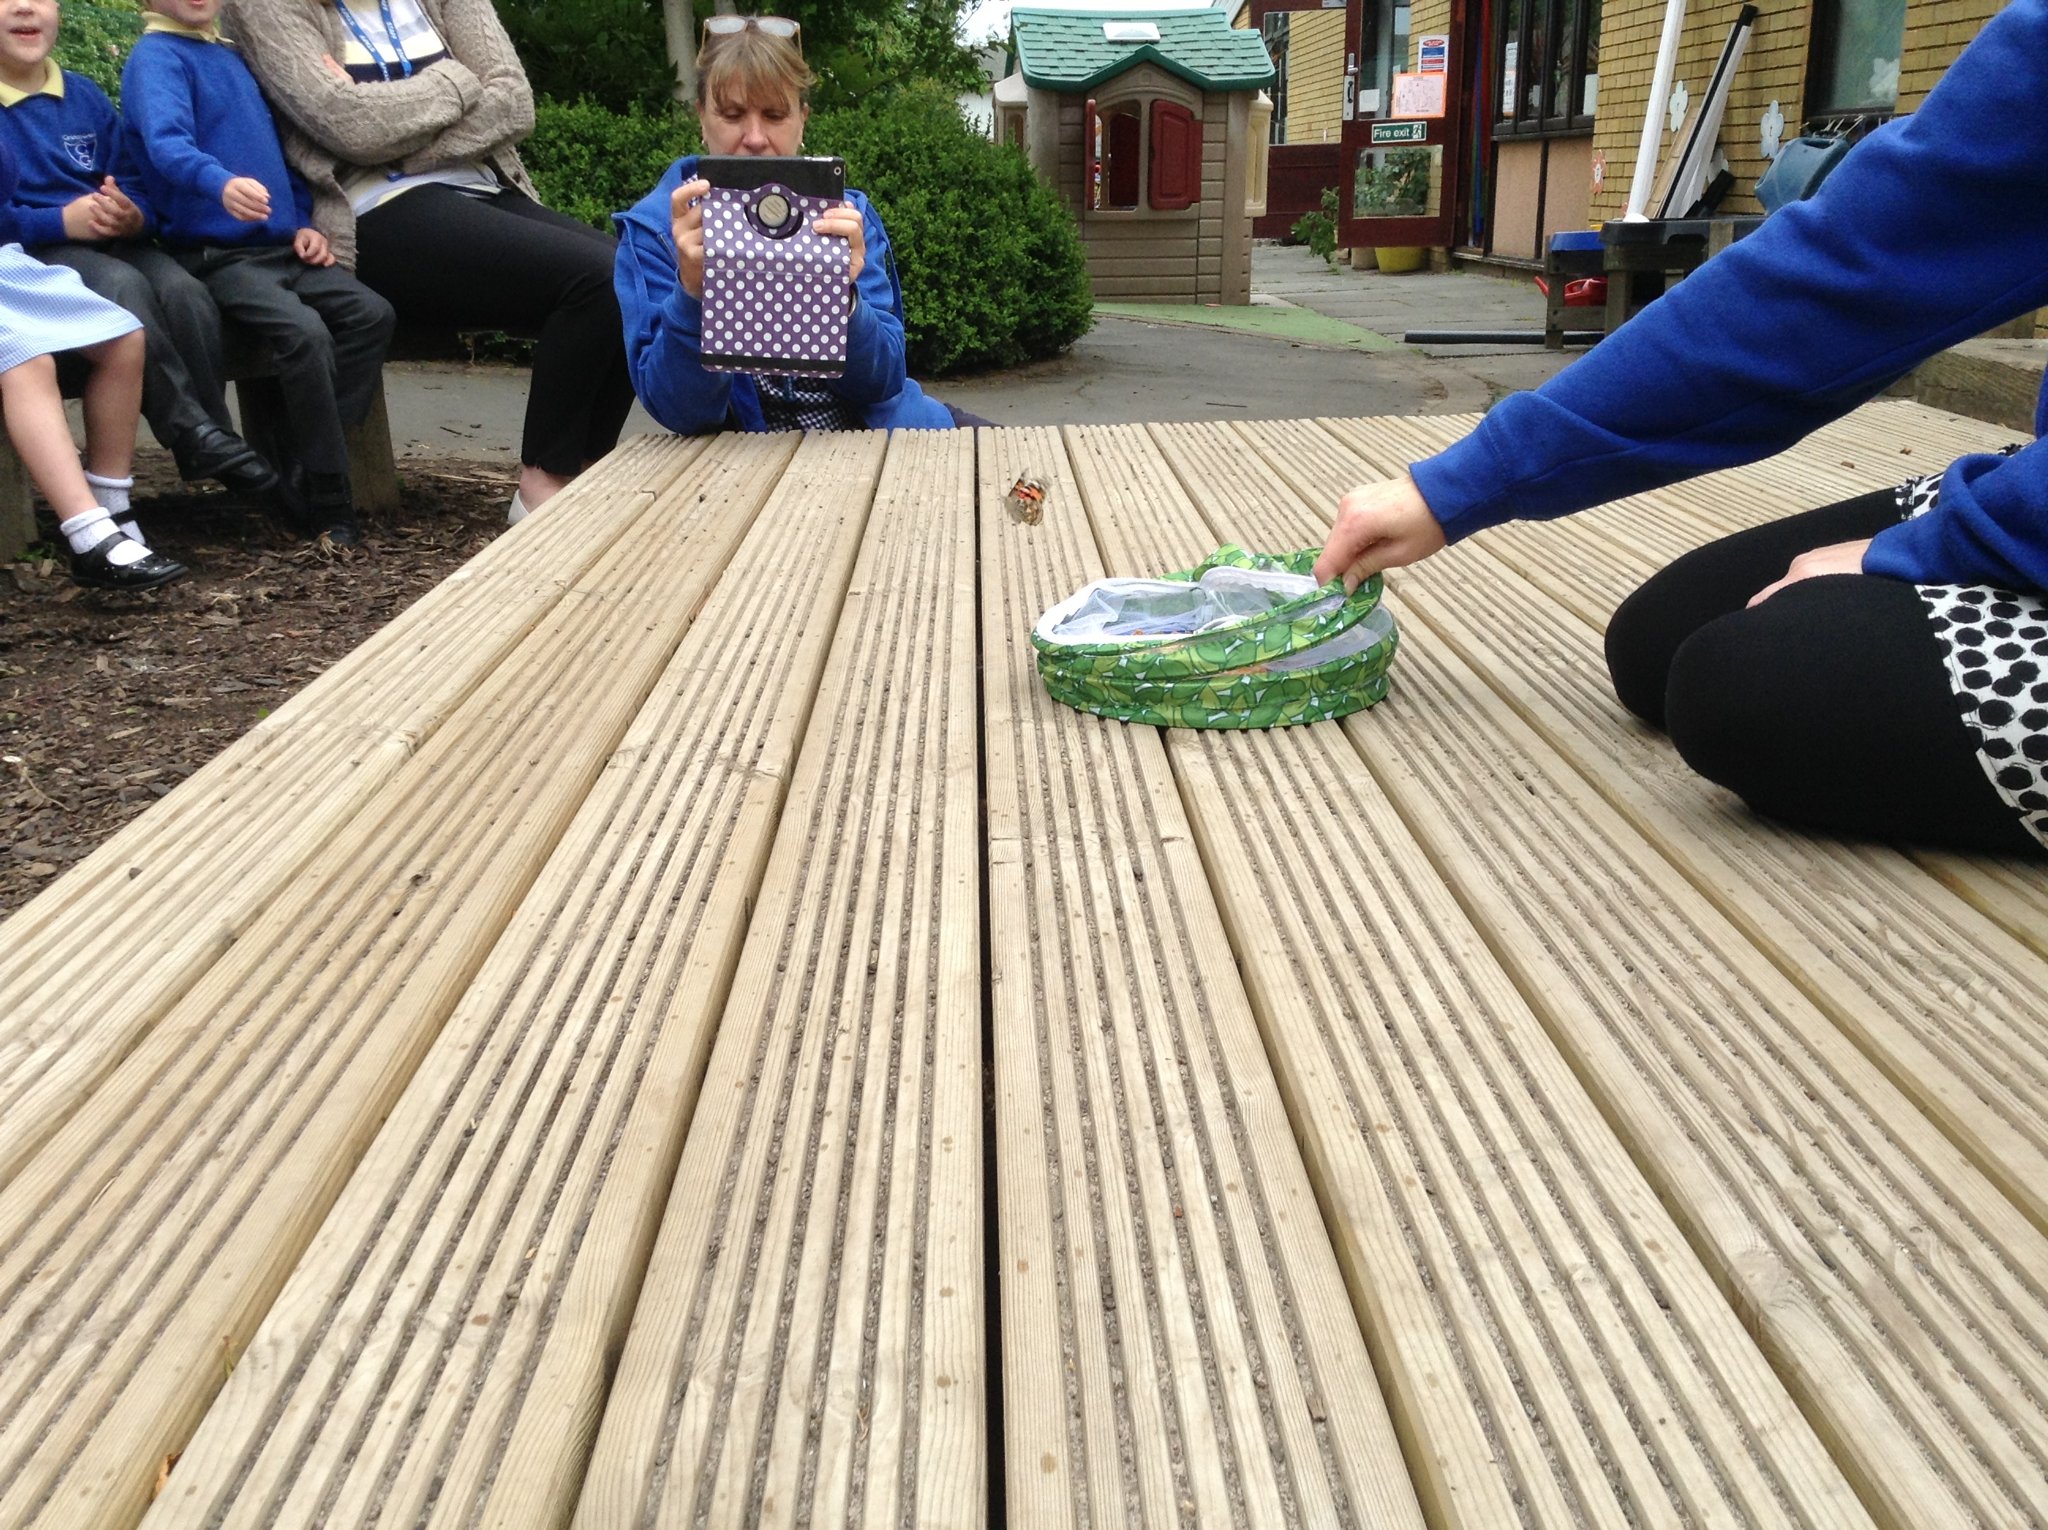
1545 99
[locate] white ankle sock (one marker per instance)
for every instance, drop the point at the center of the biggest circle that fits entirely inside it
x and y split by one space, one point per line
518 512
112 493
88 529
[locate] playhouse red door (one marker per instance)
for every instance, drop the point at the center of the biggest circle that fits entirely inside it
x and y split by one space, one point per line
1403 132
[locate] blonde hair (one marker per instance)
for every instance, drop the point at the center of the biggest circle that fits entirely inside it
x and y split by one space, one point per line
742 68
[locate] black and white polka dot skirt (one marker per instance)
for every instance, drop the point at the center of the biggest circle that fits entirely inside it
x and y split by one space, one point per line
1995 644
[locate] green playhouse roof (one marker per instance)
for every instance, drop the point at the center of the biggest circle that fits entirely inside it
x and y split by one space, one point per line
1068 50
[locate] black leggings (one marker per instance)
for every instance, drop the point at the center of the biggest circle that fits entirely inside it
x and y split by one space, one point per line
446 258
1828 706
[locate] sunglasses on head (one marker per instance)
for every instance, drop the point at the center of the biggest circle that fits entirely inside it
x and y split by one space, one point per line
732 26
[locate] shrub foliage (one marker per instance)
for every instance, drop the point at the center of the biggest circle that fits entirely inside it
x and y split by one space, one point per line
992 265
94 39
590 163
613 52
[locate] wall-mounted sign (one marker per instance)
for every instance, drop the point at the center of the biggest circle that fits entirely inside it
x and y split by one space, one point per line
1400 132
1433 53
1419 95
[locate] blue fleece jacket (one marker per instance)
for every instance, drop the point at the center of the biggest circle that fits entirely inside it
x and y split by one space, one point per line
1933 229
195 121
66 147
664 326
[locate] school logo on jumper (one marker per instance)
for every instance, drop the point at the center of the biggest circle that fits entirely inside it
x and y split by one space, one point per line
84 148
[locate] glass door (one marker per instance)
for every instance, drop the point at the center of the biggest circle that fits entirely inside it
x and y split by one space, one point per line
1403 127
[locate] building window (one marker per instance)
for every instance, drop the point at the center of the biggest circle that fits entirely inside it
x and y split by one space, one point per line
1856 50
1547 60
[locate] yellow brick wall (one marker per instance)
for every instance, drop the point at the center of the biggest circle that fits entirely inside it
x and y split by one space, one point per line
1315 76
1774 68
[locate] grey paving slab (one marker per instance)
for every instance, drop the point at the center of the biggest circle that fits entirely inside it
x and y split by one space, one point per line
1127 369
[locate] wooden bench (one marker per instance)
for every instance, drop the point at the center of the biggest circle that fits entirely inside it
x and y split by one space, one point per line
732 1051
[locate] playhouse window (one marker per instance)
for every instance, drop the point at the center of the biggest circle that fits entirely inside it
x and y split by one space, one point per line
1149 149
1121 156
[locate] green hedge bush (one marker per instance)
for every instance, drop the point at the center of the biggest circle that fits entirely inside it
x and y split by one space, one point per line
992 265
589 162
94 39
613 52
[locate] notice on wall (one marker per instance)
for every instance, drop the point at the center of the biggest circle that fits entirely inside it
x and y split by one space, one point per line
1433 53
1418 95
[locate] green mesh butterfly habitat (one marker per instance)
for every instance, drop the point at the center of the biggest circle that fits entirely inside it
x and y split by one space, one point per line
1242 640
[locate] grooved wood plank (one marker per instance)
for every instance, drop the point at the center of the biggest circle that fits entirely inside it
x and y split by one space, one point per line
2012 892
1898 1293
441 1353
1177 1343
141 1246
808 1346
1945 1000
1556 1353
186 879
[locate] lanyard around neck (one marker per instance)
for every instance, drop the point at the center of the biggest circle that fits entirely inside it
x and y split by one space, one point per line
390 31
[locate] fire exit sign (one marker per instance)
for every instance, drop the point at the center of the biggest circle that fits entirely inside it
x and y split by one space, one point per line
1400 132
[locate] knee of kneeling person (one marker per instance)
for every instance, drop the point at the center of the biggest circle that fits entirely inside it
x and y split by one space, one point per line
1714 717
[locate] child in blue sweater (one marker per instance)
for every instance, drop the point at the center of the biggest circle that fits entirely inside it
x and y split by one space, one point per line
68 210
1877 667
213 171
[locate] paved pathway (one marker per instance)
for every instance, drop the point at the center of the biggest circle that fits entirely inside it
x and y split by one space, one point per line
1316 340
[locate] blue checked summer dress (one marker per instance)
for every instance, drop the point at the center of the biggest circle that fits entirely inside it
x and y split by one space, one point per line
47 308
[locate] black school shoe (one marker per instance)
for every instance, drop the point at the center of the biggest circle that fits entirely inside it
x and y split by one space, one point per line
316 505
207 451
97 570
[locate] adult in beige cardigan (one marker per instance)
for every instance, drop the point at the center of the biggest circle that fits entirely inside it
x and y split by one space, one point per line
403 116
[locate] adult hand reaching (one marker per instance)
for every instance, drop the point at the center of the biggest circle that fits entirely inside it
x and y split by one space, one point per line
1379 526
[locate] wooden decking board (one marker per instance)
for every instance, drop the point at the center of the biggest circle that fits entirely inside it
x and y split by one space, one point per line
1177 1340
441 1352
809 1341
1586 1369
177 1198
72 1004
1896 1290
2013 892
1944 999
1910 1334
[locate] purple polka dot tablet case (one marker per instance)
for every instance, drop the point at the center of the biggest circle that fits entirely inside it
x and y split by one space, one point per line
775 291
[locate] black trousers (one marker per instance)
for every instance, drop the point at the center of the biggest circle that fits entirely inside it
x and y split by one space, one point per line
447 258
183 375
325 331
1828 706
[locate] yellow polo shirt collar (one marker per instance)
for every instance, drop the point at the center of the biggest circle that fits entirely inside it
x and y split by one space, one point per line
53 85
156 21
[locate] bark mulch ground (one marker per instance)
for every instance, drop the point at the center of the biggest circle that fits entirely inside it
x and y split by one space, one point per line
109 701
